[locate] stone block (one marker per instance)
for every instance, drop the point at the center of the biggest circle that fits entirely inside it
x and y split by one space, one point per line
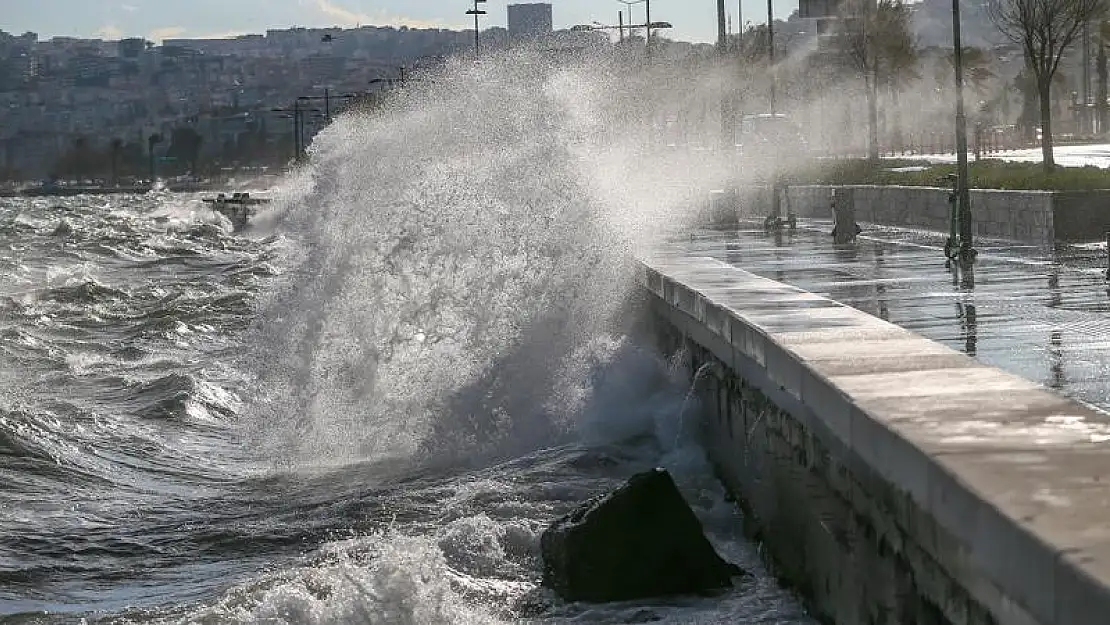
828 404
895 459
784 370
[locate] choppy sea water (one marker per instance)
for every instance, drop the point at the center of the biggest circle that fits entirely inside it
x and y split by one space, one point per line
131 490
365 407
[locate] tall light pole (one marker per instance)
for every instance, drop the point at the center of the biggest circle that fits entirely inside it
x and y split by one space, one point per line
628 4
476 12
597 26
722 37
963 195
739 24
647 21
722 53
152 141
771 48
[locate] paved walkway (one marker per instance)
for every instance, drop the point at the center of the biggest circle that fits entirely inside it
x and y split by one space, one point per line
1097 155
1041 314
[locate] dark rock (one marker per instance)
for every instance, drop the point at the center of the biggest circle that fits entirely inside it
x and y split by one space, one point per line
639 541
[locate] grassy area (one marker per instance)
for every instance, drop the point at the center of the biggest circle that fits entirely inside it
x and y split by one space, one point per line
986 174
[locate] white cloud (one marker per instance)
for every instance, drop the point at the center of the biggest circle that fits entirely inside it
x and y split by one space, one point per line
387 19
348 17
109 32
130 8
343 14
166 32
227 34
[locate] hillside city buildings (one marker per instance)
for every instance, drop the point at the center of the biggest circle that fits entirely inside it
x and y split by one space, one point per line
66 95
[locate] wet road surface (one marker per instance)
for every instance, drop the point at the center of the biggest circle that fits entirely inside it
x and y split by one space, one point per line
1040 313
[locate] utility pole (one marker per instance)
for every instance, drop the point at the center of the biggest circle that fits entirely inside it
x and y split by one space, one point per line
739 25
722 54
620 23
722 36
966 250
476 12
647 21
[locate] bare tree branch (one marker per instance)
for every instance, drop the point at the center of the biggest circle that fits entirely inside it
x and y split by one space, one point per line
1044 29
876 42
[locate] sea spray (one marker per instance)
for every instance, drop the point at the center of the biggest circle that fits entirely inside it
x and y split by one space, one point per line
453 252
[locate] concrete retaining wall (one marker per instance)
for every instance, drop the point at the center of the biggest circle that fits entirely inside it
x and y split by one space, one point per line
1015 215
891 479
1082 215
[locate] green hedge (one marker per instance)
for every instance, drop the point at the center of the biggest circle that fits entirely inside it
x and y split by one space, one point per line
985 174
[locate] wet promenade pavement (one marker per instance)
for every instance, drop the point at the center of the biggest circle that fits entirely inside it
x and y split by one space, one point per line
1040 313
1084 155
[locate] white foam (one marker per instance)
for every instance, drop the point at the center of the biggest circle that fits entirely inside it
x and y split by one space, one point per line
452 255
394 580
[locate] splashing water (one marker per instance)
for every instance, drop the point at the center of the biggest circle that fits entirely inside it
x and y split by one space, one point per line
455 251
440 354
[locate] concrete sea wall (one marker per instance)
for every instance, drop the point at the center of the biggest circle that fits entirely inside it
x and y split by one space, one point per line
1032 216
890 479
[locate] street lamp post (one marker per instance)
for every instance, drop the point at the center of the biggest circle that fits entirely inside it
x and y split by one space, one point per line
598 26
722 37
152 141
298 114
628 4
654 25
966 250
476 12
326 99
771 48
295 115
287 115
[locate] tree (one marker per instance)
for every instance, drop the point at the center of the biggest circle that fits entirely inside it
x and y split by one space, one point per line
876 40
81 161
1044 29
185 146
115 147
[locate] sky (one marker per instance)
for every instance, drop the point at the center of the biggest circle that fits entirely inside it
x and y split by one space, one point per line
694 20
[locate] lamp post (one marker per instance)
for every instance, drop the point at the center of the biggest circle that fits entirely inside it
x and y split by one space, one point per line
294 114
476 12
298 113
152 141
628 4
722 53
963 195
589 27
287 115
771 48
739 25
722 37
326 98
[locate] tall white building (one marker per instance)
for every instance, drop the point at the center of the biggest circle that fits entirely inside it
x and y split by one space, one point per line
529 20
